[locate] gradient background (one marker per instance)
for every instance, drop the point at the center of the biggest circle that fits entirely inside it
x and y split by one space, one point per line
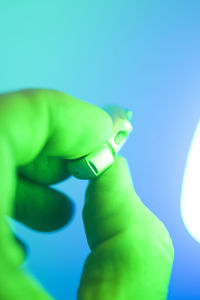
143 55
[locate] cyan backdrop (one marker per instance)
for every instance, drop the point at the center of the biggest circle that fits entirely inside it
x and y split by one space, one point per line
143 55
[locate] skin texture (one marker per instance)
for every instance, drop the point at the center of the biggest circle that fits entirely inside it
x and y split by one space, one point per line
131 251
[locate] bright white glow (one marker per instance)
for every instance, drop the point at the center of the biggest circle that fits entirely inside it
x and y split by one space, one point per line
190 197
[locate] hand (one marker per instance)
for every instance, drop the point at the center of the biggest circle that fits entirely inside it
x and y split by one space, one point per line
132 252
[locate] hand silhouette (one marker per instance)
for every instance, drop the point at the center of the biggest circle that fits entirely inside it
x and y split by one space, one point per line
131 251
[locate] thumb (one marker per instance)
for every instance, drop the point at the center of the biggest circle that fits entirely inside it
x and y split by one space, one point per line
132 252
109 203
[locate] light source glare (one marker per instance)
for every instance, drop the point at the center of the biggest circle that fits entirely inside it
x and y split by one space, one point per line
190 194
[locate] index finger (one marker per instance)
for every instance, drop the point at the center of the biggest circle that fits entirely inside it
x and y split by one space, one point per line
66 126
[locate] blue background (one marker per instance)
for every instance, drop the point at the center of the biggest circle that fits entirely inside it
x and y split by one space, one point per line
143 55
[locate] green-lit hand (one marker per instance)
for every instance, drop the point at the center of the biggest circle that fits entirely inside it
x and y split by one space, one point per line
131 254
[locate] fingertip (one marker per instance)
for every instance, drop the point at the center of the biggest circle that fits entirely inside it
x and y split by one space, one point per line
80 127
110 202
110 188
117 176
100 126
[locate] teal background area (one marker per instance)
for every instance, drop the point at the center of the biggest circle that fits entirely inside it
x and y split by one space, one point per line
143 55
